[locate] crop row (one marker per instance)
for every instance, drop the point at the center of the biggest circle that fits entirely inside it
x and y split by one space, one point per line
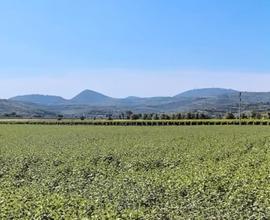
138 122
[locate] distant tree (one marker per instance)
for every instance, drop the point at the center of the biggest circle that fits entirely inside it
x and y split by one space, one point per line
179 116
109 116
253 114
150 116
207 116
244 116
145 116
219 116
229 115
155 117
13 114
258 115
201 116
164 116
82 117
135 117
128 114
60 117
188 115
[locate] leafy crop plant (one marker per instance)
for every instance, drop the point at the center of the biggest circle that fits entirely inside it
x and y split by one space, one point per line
107 172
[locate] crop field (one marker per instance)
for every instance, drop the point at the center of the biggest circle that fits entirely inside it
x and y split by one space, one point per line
128 122
117 172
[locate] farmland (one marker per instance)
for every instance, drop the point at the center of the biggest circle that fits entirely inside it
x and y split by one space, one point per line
110 172
128 122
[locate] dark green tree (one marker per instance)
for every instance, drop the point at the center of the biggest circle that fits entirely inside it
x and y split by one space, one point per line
155 117
135 117
60 117
229 115
128 114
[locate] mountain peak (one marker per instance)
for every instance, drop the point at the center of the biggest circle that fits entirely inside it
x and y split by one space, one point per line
89 91
90 97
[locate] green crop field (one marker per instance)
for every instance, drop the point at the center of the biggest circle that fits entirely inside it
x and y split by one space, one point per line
114 172
124 122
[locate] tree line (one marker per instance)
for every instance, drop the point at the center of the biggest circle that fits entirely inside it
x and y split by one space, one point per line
129 115
160 116
188 115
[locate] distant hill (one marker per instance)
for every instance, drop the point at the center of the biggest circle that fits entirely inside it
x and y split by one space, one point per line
89 97
207 92
40 99
214 100
23 109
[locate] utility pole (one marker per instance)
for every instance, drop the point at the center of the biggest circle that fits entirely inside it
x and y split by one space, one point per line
240 102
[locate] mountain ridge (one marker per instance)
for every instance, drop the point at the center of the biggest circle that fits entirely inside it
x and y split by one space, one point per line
88 96
40 99
206 92
89 102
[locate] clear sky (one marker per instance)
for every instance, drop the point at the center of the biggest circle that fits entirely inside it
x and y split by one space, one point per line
125 47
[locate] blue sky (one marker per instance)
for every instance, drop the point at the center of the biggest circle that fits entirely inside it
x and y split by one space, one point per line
124 47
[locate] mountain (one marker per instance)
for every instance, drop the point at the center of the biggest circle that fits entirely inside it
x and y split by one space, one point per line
92 98
207 92
88 102
23 109
89 97
40 99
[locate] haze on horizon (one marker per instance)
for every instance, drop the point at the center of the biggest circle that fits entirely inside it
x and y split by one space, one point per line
140 48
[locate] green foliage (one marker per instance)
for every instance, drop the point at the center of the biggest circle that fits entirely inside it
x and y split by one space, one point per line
138 122
60 117
229 115
83 172
82 117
